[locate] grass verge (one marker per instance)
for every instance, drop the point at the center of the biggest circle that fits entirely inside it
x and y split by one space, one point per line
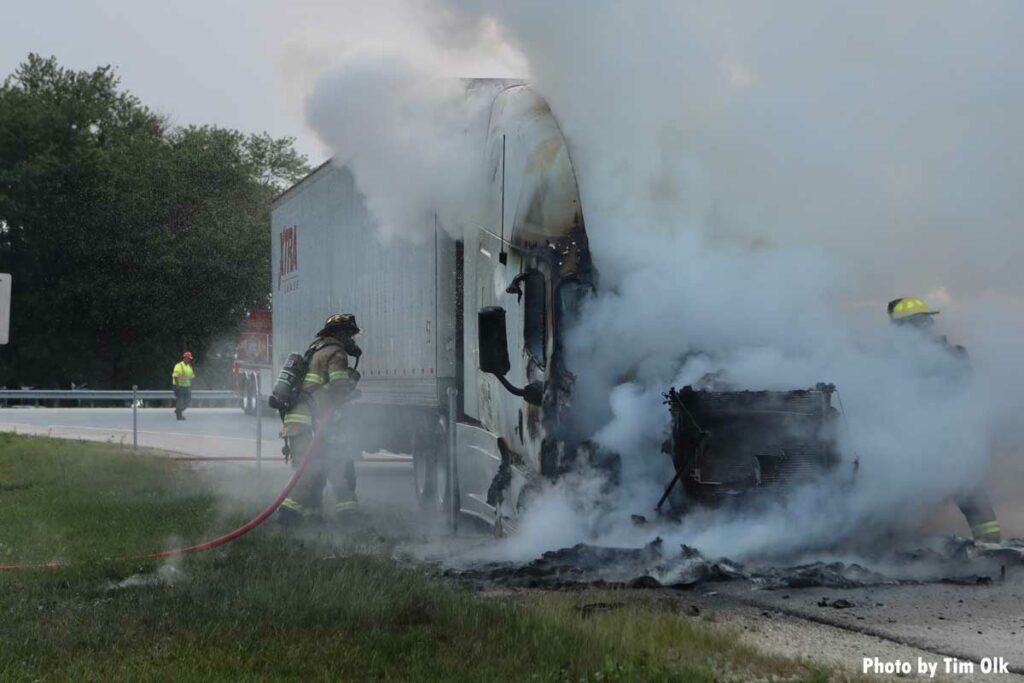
271 607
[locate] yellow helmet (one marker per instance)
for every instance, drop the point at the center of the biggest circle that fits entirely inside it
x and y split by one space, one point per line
907 307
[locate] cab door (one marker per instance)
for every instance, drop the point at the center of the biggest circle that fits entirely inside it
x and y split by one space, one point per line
510 429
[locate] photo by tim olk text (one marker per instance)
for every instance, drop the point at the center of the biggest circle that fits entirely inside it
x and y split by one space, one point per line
931 668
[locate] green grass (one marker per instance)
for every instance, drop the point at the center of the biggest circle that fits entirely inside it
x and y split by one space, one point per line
71 501
270 606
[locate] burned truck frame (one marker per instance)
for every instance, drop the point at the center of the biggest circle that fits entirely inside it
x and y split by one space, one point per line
726 444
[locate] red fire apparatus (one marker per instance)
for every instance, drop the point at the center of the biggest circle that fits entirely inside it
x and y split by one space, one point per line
253 360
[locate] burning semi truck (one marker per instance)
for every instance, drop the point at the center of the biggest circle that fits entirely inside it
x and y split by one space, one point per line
482 319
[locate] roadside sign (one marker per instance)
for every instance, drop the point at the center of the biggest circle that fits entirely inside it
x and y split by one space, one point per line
5 307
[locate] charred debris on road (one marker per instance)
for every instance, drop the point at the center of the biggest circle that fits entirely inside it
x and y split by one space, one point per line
731 448
946 560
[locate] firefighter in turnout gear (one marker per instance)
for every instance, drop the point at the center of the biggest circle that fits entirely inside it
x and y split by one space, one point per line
976 506
327 384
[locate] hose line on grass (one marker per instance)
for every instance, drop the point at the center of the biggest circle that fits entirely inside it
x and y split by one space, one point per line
213 543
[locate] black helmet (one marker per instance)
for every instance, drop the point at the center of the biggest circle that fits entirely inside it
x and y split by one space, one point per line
340 322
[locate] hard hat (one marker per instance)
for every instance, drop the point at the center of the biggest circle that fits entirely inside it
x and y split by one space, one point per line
341 322
908 307
187 355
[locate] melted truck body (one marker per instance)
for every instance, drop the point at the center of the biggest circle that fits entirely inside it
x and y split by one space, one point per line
729 444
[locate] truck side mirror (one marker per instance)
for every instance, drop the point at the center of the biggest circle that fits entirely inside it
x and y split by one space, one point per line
493 341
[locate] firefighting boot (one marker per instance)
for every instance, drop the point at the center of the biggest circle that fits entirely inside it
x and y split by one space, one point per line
291 513
346 511
987 532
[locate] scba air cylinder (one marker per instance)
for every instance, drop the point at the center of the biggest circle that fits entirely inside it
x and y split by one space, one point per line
287 382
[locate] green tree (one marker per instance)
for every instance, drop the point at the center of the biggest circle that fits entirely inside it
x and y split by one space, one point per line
128 240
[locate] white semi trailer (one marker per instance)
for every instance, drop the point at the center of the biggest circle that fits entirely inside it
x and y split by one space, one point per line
484 314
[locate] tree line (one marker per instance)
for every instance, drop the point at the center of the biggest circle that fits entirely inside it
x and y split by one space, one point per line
129 240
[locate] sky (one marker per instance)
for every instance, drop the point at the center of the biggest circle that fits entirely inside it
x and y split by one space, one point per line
245 65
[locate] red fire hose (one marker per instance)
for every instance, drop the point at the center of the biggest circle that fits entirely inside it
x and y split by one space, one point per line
220 540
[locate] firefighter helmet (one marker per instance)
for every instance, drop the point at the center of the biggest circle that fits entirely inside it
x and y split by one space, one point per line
908 307
340 322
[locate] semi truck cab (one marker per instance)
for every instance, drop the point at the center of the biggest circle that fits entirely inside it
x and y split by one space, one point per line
525 277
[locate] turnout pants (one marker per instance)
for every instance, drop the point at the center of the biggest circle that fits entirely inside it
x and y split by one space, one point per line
182 399
329 465
981 516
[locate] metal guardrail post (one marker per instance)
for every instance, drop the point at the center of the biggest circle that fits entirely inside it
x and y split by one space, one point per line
135 417
453 479
259 430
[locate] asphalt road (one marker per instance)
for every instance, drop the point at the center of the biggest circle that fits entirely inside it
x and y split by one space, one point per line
932 621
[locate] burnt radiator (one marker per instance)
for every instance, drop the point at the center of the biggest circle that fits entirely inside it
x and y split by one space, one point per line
732 442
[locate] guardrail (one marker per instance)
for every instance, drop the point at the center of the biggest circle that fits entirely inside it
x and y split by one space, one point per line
116 395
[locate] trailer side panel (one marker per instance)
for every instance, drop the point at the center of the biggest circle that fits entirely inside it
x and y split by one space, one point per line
327 257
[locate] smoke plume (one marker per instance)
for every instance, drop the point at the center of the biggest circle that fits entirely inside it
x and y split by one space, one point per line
409 138
757 182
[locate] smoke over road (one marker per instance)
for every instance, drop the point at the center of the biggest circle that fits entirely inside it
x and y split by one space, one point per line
756 184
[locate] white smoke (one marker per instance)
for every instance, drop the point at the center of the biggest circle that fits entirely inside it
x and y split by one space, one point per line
883 133
411 140
752 178
758 181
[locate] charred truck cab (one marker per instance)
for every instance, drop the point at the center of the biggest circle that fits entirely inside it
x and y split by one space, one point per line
525 275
